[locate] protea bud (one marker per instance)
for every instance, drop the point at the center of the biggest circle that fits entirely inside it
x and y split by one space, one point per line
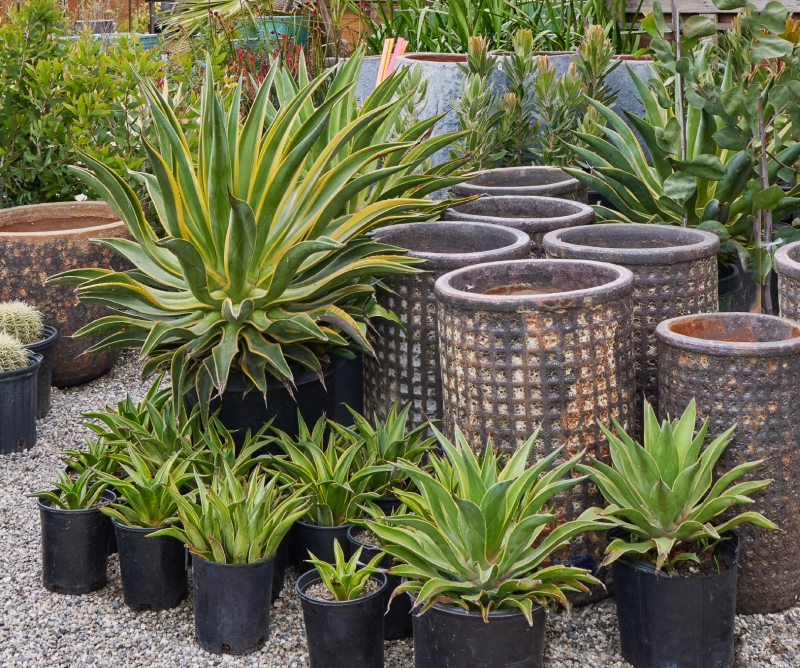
523 43
477 47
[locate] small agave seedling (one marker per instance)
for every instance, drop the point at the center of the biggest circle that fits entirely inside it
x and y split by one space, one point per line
81 493
344 579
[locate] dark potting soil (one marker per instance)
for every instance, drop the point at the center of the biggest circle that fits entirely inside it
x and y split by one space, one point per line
708 566
100 503
54 225
368 538
320 592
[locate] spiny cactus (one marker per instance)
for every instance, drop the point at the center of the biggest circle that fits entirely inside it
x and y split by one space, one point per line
22 321
12 355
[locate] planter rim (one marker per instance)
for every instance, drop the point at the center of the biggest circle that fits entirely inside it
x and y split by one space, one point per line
518 242
790 346
312 577
127 527
565 243
355 540
55 209
438 58
566 184
24 372
785 265
623 283
231 566
49 337
85 511
315 526
534 223
460 612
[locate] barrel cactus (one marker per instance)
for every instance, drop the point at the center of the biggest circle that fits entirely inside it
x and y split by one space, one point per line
12 355
22 321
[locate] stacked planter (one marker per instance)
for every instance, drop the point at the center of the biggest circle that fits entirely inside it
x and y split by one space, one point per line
787 264
742 368
524 181
674 271
536 216
406 364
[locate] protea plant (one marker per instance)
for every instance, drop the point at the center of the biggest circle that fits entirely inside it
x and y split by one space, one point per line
265 261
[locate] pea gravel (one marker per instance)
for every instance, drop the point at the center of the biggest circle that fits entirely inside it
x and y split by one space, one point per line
39 629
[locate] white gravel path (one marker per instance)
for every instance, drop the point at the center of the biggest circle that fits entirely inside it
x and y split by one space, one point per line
39 629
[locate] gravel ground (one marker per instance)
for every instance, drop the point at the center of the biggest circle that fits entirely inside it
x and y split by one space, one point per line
38 628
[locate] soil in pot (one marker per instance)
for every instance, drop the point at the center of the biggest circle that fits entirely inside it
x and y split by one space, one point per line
44 378
317 540
75 547
231 608
343 634
18 392
526 181
152 570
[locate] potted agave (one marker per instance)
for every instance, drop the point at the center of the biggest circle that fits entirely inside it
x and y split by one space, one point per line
673 556
75 534
152 570
18 376
233 530
496 567
343 608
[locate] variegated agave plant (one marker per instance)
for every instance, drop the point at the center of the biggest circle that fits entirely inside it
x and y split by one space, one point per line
265 261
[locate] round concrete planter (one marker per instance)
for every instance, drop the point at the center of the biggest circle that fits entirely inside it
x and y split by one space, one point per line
536 216
40 240
406 366
674 271
787 264
525 181
538 343
742 368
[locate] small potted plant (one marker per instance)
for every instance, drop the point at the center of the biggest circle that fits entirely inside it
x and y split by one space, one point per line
343 608
75 534
476 554
673 557
233 529
152 570
18 369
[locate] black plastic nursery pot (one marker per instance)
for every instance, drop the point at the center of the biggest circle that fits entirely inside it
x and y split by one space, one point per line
448 637
676 621
231 609
152 570
279 569
317 540
343 634
44 379
74 548
397 621
18 407
388 504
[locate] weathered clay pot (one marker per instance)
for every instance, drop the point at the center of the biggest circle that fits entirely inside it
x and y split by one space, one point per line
787 264
674 271
742 368
539 343
526 181
536 216
40 240
406 365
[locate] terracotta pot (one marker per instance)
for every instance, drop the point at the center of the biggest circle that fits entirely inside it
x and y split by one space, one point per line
536 216
526 181
742 368
674 271
40 240
787 264
411 373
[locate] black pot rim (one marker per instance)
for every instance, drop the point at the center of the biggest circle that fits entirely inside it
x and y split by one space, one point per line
197 557
338 527
622 284
47 340
145 530
789 346
559 244
784 264
460 612
350 536
533 223
566 184
24 372
312 577
52 509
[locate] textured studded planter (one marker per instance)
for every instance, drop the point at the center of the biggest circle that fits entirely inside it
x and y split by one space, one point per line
536 216
674 273
744 368
406 364
526 181
538 343
40 240
787 263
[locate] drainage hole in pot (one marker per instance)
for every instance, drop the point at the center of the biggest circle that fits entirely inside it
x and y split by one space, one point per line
21 444
225 648
145 606
57 589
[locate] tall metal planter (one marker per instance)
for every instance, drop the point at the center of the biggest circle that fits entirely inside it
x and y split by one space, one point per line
743 368
538 343
787 263
536 216
406 364
674 271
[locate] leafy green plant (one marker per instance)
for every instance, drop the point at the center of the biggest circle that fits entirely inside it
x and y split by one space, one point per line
98 456
482 539
237 520
22 321
80 493
12 355
344 579
663 493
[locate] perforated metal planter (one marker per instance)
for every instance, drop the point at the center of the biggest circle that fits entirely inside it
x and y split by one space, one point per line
536 216
787 263
406 365
674 270
538 343
525 181
743 368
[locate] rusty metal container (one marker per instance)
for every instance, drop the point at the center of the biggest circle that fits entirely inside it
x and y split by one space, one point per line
406 364
743 368
40 240
525 181
674 273
536 216
787 264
